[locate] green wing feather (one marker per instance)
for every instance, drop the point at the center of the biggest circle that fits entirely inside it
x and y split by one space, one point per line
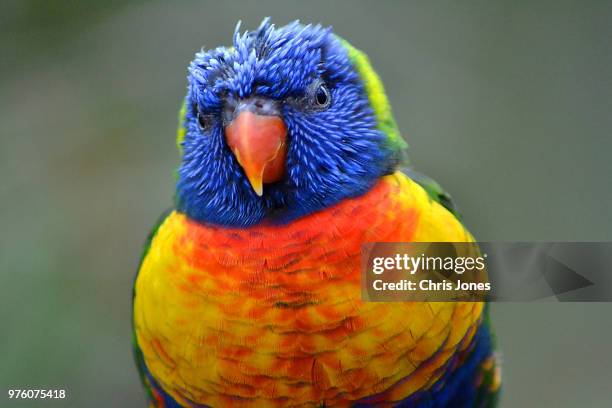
434 190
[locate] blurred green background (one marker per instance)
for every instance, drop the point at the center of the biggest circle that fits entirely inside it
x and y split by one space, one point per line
508 105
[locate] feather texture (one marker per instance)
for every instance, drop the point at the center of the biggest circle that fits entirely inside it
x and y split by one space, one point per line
272 315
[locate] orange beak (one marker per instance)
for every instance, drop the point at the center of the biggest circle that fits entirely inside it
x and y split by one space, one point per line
259 144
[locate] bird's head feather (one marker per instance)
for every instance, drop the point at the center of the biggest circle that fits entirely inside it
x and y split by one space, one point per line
286 122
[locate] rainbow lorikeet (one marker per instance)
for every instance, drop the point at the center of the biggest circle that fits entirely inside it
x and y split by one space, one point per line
248 294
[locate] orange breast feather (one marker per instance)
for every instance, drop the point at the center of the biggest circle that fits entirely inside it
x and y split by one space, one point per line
272 315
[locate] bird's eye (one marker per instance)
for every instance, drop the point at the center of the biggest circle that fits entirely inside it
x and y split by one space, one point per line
205 121
321 97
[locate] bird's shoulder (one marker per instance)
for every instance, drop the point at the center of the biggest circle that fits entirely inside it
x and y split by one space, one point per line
433 189
428 206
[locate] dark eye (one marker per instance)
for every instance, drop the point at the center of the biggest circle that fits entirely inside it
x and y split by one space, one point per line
321 97
205 121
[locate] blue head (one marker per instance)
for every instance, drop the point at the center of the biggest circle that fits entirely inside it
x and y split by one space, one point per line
278 126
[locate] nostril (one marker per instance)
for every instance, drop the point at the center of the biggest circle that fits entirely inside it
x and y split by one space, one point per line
228 114
255 104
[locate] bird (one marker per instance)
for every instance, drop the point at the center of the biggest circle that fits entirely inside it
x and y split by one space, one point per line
248 291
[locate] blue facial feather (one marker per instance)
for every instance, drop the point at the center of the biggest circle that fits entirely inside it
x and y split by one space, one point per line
333 154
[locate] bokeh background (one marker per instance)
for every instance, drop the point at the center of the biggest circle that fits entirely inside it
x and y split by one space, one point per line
507 104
